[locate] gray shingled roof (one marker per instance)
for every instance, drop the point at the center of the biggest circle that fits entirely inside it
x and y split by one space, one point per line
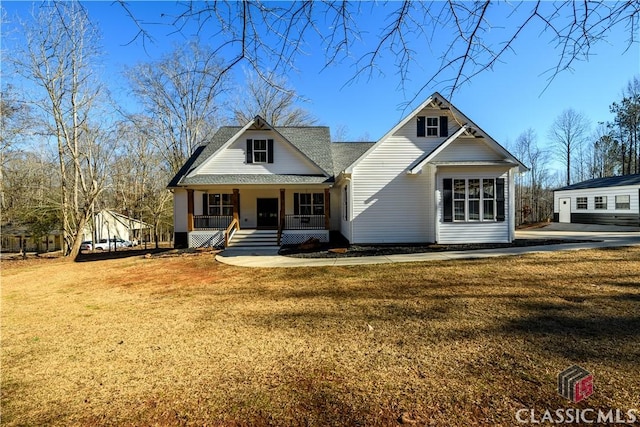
312 141
232 179
612 181
345 153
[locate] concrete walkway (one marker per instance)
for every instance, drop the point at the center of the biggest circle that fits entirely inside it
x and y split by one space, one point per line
606 236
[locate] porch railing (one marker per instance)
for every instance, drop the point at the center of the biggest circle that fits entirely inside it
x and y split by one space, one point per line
304 222
230 231
208 222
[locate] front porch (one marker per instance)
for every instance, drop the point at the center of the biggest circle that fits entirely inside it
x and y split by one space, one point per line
214 215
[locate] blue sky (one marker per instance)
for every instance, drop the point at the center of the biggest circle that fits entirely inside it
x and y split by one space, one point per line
504 101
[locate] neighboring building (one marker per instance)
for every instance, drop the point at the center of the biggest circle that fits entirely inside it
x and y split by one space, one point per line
16 238
612 201
435 177
109 224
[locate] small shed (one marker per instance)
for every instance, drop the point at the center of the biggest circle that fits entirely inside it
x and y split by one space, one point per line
610 201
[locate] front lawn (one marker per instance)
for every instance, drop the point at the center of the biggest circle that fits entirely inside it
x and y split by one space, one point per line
187 341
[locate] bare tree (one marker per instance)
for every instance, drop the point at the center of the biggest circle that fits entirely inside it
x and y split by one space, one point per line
271 100
340 133
567 134
15 120
605 157
463 38
533 201
139 176
626 126
59 58
179 93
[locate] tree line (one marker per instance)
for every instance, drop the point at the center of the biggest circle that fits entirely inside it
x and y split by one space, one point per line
68 149
610 149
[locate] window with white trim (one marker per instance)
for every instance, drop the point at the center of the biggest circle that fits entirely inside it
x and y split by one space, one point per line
623 201
220 204
488 199
259 151
459 197
581 203
474 199
600 202
432 126
308 203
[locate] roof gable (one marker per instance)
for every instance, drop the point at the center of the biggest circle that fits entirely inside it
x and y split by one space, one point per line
467 126
311 143
259 124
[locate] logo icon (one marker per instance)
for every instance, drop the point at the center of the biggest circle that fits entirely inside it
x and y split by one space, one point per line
575 383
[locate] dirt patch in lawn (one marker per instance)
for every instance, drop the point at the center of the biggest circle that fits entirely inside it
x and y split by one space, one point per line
186 341
337 250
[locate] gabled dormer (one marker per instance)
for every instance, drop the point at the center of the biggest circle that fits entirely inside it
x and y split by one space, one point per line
260 148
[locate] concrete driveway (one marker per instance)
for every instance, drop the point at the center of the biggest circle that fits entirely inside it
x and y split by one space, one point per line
580 231
594 236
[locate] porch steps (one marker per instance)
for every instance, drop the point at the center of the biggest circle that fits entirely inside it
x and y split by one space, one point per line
254 239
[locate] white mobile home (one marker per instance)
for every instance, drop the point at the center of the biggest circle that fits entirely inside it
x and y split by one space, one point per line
611 201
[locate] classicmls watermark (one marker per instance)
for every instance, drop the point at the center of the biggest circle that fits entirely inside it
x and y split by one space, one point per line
577 416
576 384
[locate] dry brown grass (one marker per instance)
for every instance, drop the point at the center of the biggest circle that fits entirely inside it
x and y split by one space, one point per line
187 341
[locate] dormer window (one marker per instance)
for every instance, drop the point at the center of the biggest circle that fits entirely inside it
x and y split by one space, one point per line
259 150
432 126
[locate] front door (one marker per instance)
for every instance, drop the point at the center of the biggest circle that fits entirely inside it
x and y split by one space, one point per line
267 213
564 210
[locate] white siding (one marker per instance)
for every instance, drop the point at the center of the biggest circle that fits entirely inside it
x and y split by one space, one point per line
474 232
591 193
108 227
465 149
388 205
286 158
179 211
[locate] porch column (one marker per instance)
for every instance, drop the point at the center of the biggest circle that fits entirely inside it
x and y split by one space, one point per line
282 209
282 213
189 210
235 199
327 209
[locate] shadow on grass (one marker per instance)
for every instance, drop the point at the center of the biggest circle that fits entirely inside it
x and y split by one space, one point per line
119 254
581 324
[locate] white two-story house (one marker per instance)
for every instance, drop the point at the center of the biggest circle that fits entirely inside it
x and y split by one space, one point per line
434 177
